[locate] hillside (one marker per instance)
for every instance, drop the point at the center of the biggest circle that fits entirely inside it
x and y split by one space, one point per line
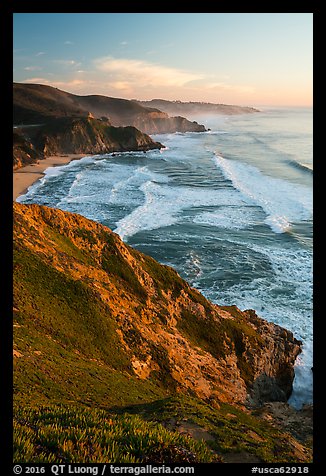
106 328
196 108
66 135
37 103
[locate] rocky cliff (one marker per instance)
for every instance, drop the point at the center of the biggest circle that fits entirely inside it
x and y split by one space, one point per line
109 345
24 151
166 331
160 123
91 136
36 103
76 135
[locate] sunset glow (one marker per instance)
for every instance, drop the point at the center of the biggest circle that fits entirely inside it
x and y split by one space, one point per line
244 58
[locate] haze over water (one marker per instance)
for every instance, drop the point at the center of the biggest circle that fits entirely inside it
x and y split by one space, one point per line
229 209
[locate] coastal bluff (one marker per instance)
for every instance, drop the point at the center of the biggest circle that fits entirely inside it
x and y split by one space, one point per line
39 103
105 335
165 330
71 135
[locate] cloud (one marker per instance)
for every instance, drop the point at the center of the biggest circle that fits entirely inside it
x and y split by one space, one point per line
221 86
143 79
69 84
40 53
121 86
32 68
140 77
143 72
63 62
36 80
73 83
68 42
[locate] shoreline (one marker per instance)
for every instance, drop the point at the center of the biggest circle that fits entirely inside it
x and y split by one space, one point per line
26 176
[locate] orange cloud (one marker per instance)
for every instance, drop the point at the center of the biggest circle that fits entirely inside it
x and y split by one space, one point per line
144 72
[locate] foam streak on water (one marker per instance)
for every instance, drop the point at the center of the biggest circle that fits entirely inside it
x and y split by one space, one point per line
282 201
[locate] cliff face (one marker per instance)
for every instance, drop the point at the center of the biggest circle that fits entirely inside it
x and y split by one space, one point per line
91 136
24 152
101 330
160 123
36 103
97 298
76 135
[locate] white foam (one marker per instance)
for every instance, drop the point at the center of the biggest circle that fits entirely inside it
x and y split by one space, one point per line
291 267
193 265
49 173
134 178
151 215
108 186
216 133
283 202
70 197
89 159
292 310
30 190
229 217
303 379
163 203
53 172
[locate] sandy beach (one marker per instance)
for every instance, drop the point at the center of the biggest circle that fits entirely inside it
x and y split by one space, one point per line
26 176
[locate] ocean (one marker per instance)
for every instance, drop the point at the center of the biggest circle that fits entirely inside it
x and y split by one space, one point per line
230 209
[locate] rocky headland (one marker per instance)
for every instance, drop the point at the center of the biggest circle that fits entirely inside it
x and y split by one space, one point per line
100 324
37 103
68 135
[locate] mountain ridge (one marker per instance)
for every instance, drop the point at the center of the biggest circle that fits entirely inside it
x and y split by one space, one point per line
196 107
40 103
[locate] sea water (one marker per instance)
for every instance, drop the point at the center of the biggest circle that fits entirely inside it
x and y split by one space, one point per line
230 209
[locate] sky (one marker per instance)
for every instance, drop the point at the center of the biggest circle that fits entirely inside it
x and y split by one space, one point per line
248 59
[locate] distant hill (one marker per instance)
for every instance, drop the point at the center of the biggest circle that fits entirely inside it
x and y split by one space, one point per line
35 103
196 108
103 331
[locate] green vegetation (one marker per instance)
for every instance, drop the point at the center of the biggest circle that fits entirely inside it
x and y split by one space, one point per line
164 374
234 431
76 395
68 247
115 265
148 432
145 433
165 277
65 308
58 434
216 336
86 235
